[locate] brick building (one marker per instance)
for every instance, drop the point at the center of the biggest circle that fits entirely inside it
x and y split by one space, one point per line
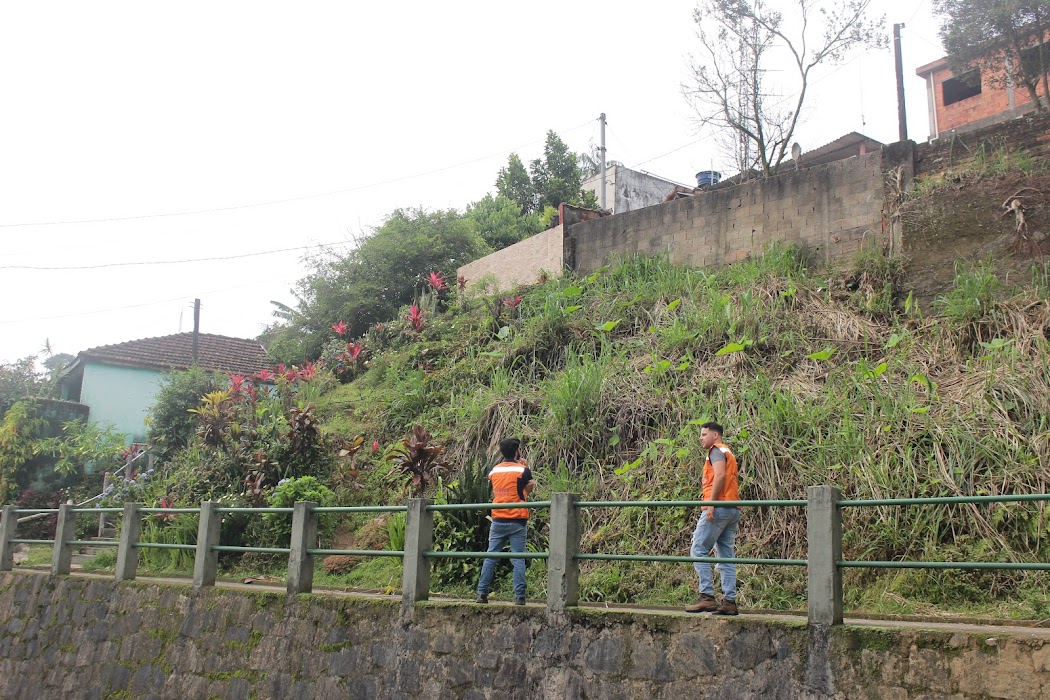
959 103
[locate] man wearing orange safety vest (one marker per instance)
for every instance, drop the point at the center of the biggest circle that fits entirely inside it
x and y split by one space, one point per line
717 526
512 482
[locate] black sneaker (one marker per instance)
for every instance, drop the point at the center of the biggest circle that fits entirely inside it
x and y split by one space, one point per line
519 601
483 598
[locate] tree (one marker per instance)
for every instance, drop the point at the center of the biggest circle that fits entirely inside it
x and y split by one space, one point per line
19 380
499 221
1003 39
369 284
730 91
550 180
513 182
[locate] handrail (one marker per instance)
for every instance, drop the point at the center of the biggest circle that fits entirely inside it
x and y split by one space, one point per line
824 561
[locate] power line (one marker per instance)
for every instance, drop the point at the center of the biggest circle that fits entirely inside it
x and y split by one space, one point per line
285 200
166 262
662 155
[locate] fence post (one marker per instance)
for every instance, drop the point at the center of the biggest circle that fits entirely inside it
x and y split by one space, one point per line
127 552
304 536
205 560
419 538
8 523
824 536
65 530
563 571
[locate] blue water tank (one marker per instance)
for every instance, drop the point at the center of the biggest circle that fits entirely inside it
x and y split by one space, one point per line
706 178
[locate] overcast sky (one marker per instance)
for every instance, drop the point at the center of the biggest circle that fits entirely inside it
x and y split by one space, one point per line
138 132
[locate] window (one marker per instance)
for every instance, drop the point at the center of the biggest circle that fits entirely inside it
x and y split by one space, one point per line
961 87
1033 63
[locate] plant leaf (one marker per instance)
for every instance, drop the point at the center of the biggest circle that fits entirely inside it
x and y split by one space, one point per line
821 355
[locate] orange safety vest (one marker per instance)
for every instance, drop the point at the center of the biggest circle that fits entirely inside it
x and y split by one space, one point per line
731 485
505 489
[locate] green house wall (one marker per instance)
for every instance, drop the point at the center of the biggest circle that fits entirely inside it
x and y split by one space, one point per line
120 397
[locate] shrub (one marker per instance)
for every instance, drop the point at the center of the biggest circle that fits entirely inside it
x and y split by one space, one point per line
285 495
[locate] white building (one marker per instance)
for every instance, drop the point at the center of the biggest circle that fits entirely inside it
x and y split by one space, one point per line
626 189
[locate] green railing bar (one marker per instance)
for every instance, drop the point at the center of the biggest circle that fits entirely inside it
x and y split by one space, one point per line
93 543
490 506
360 509
35 510
253 510
678 559
96 510
163 545
1011 566
946 499
357 552
679 504
486 555
263 550
15 540
169 510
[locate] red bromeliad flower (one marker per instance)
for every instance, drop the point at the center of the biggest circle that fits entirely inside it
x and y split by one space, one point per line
379 328
340 328
354 351
415 318
375 445
461 282
436 281
512 302
266 376
236 384
308 372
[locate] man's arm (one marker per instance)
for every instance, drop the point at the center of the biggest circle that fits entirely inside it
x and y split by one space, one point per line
526 483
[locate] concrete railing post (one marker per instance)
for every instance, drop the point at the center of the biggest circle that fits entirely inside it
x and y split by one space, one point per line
206 560
824 535
65 530
304 537
419 538
128 551
563 571
8 523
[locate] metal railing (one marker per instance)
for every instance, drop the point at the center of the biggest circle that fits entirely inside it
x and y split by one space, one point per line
824 562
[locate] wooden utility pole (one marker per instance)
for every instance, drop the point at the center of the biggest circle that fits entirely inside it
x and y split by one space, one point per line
196 328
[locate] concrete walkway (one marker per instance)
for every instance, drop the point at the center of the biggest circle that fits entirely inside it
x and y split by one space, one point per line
991 628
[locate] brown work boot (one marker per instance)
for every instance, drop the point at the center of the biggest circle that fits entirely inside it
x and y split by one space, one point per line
728 607
705 603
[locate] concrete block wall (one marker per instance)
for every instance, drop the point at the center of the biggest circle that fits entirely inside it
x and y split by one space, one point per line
1030 133
830 209
521 263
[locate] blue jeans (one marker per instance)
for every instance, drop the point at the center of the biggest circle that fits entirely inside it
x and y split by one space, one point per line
720 534
500 534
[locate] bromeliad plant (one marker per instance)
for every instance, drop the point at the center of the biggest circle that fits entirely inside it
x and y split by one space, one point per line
419 461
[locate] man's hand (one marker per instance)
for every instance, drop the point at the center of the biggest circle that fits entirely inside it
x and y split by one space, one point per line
710 513
529 487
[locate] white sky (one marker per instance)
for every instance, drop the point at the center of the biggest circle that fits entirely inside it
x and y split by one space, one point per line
137 113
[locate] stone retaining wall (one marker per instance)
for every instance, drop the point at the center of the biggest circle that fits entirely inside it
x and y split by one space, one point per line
91 638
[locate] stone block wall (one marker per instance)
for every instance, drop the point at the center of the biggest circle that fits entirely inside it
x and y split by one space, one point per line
91 638
830 209
520 263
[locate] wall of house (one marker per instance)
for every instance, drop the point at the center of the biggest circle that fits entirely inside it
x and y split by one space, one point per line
120 396
627 190
521 263
830 209
93 638
991 106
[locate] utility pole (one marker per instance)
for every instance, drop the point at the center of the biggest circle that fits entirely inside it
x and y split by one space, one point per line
902 118
196 328
601 152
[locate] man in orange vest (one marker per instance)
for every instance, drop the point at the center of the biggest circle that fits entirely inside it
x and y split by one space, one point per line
717 526
512 482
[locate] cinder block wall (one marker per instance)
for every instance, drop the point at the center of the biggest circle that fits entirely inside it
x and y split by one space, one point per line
828 208
520 263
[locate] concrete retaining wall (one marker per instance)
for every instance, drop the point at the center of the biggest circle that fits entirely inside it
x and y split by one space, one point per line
521 263
92 638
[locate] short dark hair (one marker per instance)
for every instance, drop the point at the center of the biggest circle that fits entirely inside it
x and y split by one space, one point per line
711 425
509 447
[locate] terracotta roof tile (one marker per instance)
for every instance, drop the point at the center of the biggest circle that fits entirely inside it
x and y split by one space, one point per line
216 353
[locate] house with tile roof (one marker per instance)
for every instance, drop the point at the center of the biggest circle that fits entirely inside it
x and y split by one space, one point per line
119 383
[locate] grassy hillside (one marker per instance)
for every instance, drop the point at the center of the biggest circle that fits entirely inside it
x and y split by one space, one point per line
831 378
